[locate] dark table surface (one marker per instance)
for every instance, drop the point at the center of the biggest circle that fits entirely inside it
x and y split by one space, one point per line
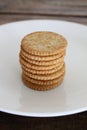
70 10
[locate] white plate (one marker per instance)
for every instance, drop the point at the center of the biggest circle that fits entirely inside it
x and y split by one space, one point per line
69 98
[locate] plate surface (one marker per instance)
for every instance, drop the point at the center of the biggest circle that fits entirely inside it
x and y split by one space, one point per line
69 98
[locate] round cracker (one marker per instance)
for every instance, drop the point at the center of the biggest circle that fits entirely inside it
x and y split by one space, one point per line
45 63
38 67
43 43
45 76
33 71
41 87
42 82
41 58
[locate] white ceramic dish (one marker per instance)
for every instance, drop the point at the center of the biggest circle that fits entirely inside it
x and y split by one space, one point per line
69 98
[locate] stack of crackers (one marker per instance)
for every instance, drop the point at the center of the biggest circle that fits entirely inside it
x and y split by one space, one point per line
42 60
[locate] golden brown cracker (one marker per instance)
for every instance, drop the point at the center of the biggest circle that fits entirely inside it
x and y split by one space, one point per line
44 63
45 76
41 58
43 43
38 67
42 82
34 71
41 87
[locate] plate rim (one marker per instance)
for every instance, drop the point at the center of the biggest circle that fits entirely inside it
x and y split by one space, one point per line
49 20
43 114
56 114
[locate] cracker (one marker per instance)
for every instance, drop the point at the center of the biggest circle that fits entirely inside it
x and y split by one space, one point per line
34 71
42 58
42 82
45 76
45 63
43 43
41 87
38 67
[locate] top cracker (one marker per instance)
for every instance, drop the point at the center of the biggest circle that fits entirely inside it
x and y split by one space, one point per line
43 43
